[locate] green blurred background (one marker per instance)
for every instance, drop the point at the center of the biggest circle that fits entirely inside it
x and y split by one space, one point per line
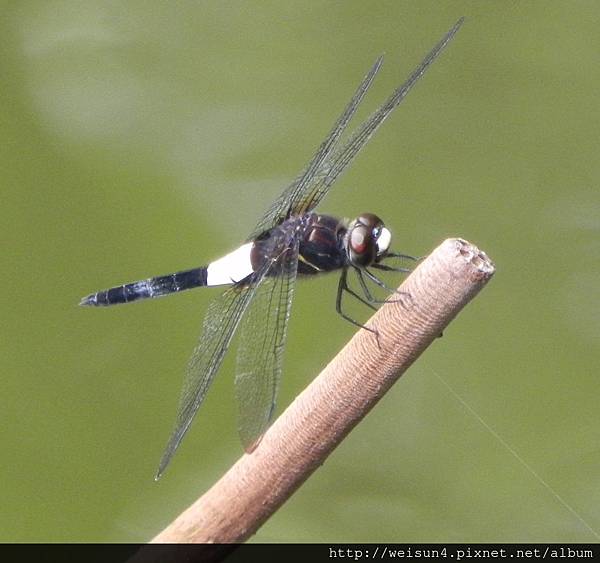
141 138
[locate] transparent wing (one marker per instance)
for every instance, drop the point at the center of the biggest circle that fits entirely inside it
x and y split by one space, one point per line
262 342
291 199
222 318
338 162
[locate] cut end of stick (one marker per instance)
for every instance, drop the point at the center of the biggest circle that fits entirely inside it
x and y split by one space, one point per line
477 258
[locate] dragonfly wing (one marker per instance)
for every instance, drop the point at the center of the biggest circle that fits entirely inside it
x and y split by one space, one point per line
340 160
290 201
221 320
262 342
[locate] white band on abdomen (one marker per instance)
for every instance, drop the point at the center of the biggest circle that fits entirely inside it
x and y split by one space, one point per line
232 268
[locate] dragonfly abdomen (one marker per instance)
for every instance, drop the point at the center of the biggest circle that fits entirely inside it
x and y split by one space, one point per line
148 289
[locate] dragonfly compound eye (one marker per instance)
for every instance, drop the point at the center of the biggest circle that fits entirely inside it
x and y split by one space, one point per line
362 245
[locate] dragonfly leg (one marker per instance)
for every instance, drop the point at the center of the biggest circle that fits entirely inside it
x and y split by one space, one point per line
377 281
365 288
387 268
396 255
343 286
368 302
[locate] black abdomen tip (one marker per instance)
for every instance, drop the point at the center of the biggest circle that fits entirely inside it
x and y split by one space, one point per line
90 300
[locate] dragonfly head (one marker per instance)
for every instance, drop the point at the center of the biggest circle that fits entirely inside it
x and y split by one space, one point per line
367 240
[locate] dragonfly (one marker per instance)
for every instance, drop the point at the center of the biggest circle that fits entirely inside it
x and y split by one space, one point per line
290 240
